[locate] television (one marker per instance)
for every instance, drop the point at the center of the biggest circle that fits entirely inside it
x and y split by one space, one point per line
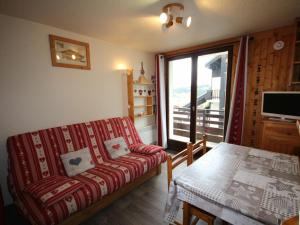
284 104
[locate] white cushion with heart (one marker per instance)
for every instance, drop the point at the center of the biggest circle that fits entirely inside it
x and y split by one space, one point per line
116 147
77 162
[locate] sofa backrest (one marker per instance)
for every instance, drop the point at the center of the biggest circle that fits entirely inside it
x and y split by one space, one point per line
36 155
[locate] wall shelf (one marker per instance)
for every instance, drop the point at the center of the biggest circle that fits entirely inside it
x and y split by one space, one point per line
141 108
142 116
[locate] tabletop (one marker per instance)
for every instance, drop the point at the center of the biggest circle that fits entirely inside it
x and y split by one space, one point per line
260 185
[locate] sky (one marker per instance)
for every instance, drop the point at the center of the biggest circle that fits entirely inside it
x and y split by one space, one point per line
180 70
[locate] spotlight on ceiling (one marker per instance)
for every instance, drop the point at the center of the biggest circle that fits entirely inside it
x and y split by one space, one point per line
172 13
163 18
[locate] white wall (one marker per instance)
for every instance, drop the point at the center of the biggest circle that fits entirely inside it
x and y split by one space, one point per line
35 95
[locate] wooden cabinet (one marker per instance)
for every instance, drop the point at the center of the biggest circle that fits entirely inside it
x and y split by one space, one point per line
279 136
141 100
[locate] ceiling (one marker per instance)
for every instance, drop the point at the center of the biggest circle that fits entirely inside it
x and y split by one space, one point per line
135 23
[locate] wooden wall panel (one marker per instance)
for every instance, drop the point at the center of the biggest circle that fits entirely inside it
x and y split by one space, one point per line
268 70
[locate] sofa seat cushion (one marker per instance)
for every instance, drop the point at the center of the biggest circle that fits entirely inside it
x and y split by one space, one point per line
142 163
145 149
50 190
56 213
102 180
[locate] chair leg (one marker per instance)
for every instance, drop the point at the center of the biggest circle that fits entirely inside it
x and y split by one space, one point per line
186 214
211 222
195 221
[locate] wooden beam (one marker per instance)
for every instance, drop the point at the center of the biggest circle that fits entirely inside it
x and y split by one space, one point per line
197 48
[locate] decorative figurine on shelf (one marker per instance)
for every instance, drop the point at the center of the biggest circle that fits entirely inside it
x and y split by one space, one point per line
140 92
153 79
142 79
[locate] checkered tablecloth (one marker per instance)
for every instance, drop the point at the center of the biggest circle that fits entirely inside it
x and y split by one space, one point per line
241 185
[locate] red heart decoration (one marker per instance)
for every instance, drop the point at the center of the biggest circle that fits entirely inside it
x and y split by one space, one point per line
42 159
116 146
98 157
35 133
125 171
92 136
102 182
69 141
95 146
54 192
68 199
45 173
38 145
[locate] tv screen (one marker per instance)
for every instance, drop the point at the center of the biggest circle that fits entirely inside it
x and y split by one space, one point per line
281 104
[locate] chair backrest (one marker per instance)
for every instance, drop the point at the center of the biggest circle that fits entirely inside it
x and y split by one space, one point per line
185 155
291 221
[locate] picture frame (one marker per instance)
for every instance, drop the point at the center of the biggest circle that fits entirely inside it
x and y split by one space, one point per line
69 53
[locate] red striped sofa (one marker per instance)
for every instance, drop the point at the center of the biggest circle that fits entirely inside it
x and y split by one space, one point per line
35 156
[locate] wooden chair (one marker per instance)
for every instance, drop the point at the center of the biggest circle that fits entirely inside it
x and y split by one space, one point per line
174 161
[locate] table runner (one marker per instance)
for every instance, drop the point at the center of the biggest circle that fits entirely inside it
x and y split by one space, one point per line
241 184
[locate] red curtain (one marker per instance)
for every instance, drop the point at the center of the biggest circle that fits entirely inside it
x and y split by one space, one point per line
234 132
1 208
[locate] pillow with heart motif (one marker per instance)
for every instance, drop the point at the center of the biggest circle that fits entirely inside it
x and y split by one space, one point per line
77 162
116 147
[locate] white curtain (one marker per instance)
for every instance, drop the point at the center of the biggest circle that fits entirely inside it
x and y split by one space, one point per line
161 101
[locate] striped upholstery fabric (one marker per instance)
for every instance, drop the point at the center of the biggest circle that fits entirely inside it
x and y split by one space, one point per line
51 190
35 156
145 149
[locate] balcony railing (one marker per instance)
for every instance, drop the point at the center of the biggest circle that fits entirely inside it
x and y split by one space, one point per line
208 121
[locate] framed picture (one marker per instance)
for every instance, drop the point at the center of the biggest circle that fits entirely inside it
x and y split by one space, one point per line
69 53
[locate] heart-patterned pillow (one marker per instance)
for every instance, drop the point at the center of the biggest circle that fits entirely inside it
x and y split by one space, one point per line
77 162
116 147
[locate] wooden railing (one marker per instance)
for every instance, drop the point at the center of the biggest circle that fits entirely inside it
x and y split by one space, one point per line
208 121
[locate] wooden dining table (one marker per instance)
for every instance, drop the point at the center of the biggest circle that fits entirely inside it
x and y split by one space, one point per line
240 185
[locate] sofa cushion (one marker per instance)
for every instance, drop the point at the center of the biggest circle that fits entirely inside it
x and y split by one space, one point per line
77 162
145 149
116 147
105 178
50 190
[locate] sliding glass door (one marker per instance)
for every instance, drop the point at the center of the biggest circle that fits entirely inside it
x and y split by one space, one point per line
197 96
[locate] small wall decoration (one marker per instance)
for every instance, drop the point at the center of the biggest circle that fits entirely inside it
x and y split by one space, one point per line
69 53
278 45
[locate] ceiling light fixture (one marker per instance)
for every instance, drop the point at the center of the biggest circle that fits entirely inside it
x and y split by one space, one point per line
172 13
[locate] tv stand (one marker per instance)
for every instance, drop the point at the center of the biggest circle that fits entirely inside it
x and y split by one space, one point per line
282 119
280 136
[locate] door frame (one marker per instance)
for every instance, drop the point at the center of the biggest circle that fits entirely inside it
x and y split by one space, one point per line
178 145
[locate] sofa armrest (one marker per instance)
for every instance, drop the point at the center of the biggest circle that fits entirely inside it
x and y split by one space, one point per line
50 190
145 149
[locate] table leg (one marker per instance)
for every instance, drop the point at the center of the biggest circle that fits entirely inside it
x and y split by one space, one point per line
186 213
